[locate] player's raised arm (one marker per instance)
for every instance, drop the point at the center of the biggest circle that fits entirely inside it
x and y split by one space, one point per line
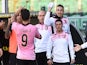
47 20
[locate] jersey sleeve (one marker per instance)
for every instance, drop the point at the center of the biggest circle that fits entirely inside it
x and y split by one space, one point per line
50 30
49 48
68 26
48 20
84 45
71 46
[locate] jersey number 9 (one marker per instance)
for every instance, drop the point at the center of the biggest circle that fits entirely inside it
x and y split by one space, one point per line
24 40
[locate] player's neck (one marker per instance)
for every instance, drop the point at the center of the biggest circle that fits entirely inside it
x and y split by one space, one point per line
60 16
42 23
60 31
26 22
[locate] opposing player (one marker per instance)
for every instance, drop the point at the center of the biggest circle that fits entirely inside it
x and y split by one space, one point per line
1 39
5 44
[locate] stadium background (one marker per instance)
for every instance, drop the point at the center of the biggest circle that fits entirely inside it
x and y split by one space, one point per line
75 10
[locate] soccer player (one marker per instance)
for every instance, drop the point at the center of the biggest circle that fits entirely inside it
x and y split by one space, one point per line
59 14
57 48
10 34
5 44
79 47
25 34
1 32
41 44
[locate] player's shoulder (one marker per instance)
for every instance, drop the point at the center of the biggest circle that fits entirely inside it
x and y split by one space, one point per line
33 26
14 24
52 18
37 25
65 18
67 34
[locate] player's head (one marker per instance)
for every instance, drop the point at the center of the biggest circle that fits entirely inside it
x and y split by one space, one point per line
2 24
58 24
19 18
25 14
60 10
41 15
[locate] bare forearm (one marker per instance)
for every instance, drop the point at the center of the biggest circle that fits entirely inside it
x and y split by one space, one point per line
7 33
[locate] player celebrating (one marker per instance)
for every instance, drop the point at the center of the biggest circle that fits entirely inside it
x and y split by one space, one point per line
59 14
25 34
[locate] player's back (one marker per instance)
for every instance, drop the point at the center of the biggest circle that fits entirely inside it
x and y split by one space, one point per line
25 41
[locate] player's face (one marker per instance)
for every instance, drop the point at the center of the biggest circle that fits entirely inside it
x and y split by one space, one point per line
59 11
19 19
41 16
58 26
2 24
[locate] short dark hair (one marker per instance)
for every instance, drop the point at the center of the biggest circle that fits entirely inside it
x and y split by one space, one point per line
60 6
25 14
59 20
